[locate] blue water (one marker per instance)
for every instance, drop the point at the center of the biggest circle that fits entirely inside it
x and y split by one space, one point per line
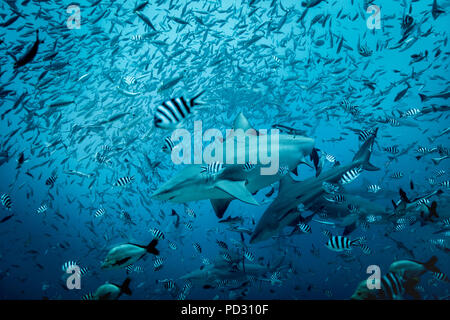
305 76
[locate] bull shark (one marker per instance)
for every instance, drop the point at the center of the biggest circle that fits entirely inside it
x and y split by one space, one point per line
235 182
283 210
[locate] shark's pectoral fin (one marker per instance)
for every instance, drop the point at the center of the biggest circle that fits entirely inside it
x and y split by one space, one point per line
220 206
370 167
237 189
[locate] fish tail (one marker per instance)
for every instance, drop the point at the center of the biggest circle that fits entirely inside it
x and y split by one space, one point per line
192 102
151 248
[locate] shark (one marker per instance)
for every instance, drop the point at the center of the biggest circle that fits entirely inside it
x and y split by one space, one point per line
235 270
283 211
235 181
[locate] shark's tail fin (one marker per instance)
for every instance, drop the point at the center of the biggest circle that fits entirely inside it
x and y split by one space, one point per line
423 97
363 154
125 287
430 264
151 248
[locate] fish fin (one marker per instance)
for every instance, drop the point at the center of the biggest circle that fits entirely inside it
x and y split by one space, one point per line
237 189
365 152
423 97
241 122
220 206
432 210
295 171
430 264
394 204
151 248
192 101
125 287
403 196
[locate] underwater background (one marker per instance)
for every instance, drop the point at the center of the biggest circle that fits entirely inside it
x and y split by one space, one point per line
73 113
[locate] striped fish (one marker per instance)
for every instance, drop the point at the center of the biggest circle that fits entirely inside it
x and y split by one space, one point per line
169 285
410 113
397 175
137 37
392 286
275 278
364 225
6 201
42 209
172 245
129 80
440 276
190 212
439 173
88 296
100 212
373 218
68 264
123 181
422 202
373 188
206 261
226 256
304 227
138 269
338 198
172 113
213 168
188 226
157 234
222 244
129 269
221 283
364 51
365 249
431 181
425 150
445 183
393 122
330 158
102 159
197 247
400 227
341 243
350 175
247 167
158 264
186 287
406 220
51 181
249 256
327 234
393 149
446 222
363 135
168 145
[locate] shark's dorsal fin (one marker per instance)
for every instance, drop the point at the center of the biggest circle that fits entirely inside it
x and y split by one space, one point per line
237 189
241 122
220 206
